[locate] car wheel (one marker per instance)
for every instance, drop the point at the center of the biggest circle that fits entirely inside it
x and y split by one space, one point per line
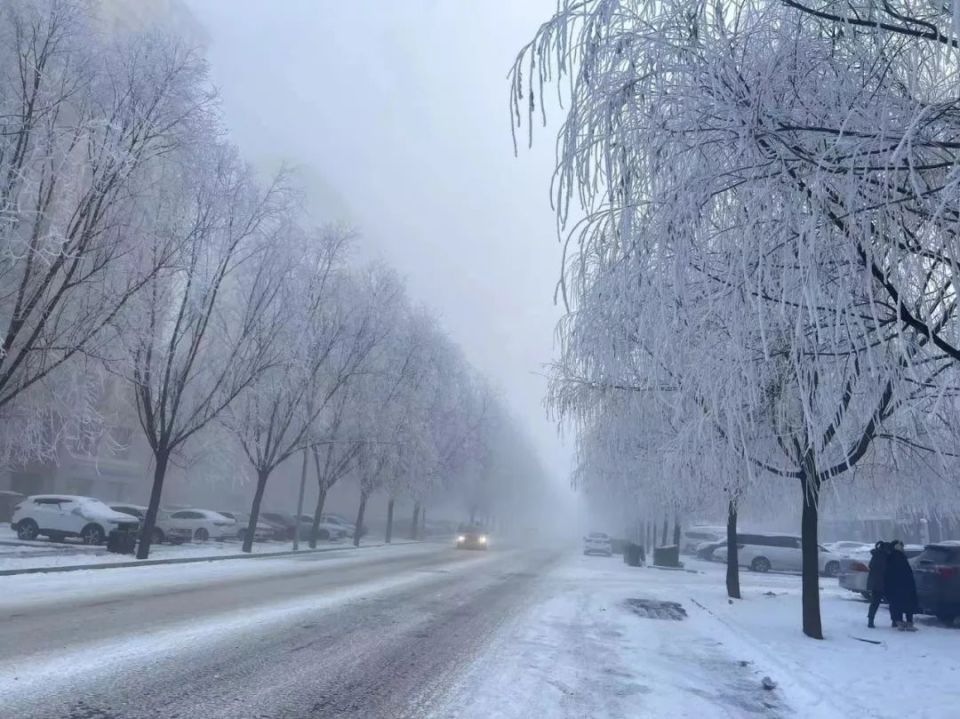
323 534
157 536
832 569
760 564
92 534
946 617
201 535
27 529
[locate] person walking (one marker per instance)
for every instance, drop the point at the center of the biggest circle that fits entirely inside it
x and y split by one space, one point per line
901 588
877 579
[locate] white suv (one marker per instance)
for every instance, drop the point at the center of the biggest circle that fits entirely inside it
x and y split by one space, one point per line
779 552
58 516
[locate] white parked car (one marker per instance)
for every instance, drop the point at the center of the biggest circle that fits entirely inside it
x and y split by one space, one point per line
779 552
598 543
326 530
163 528
261 532
58 516
204 524
849 549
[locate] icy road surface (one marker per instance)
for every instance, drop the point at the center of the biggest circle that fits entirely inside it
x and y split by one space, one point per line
423 631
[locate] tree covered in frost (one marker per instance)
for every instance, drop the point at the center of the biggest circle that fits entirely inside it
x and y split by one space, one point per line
766 247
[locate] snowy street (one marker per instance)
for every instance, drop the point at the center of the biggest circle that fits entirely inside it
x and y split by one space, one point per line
426 631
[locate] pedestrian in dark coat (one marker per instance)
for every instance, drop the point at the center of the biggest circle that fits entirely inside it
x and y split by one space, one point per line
901 588
877 580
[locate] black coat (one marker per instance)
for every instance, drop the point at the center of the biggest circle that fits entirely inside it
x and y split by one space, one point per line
877 578
901 588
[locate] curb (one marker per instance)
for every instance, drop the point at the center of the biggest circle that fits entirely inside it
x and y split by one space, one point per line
191 560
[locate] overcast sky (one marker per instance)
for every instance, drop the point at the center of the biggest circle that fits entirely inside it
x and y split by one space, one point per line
396 113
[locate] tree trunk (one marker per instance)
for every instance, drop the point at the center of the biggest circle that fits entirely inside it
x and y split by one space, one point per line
810 592
262 477
423 523
389 534
360 511
676 531
473 515
415 524
663 536
315 528
733 558
150 519
303 486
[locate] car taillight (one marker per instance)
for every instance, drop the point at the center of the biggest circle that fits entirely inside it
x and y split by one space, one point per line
947 572
859 567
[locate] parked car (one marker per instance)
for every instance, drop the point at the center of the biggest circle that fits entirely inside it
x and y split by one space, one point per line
848 549
327 531
472 536
163 528
779 552
204 524
707 550
291 524
8 502
58 516
262 532
937 571
597 543
695 536
338 521
854 569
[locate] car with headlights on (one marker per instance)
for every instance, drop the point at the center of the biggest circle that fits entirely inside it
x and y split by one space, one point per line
471 536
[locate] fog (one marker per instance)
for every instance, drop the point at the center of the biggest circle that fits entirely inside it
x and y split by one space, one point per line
396 116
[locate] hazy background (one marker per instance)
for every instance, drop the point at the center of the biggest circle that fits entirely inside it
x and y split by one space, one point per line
396 115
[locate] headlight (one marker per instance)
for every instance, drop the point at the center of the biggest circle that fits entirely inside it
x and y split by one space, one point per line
483 540
461 539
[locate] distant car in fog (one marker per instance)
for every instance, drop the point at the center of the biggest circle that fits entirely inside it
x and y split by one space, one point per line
598 543
472 536
338 521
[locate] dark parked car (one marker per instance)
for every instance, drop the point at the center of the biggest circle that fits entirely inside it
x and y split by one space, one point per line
937 571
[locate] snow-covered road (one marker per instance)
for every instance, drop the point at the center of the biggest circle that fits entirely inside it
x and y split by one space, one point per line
425 631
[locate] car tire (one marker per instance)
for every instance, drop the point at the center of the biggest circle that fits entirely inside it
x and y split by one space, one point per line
760 564
324 534
832 569
201 535
157 537
946 617
92 534
27 530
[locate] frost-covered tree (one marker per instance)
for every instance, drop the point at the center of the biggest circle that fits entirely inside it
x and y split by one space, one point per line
753 185
200 333
85 118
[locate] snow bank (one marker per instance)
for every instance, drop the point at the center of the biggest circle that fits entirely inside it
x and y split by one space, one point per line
582 650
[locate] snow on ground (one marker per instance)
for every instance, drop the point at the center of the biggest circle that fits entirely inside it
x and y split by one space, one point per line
60 587
18 554
581 651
